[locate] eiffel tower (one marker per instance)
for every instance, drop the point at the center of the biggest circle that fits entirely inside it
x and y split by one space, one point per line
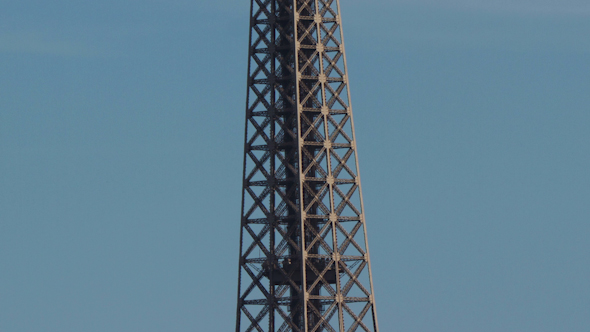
304 260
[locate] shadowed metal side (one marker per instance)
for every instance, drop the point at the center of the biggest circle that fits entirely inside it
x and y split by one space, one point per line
304 259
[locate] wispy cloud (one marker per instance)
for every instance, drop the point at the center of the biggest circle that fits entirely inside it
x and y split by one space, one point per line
417 25
38 43
508 37
526 7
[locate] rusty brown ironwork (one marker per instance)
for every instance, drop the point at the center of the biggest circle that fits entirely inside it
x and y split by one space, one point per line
304 260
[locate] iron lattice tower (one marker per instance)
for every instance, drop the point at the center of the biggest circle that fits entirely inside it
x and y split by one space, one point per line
304 260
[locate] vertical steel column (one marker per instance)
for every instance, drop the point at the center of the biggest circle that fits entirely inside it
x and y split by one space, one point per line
304 259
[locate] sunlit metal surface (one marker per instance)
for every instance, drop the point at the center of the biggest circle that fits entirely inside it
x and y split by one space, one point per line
304 260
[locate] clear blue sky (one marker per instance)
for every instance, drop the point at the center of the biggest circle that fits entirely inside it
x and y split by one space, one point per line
121 136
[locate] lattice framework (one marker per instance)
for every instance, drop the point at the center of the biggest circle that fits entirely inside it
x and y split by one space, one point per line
304 260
